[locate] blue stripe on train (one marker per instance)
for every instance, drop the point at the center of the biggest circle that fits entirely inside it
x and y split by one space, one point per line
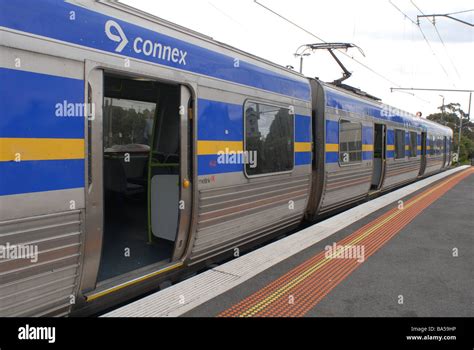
40 176
390 137
302 129
332 157
51 18
338 100
207 165
28 105
332 132
302 158
221 121
347 103
367 155
367 135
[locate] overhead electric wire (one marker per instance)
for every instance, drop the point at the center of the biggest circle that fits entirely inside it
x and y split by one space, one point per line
345 54
324 41
413 3
403 13
458 12
428 43
412 21
424 37
434 53
447 52
440 39
226 14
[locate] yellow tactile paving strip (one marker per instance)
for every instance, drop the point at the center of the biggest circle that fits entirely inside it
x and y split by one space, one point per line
299 290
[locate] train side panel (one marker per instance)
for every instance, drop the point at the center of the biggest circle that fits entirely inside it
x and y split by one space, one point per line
42 182
345 182
234 208
436 158
407 168
342 181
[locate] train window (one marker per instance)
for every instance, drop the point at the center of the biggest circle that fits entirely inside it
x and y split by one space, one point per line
413 144
350 142
399 144
127 122
269 139
440 149
432 146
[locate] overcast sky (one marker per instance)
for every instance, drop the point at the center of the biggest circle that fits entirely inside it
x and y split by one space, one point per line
394 46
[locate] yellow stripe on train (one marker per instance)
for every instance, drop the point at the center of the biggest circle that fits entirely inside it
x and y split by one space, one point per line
367 148
24 149
332 147
214 147
303 146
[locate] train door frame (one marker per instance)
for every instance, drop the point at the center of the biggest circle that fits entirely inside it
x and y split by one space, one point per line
424 138
383 155
94 224
445 155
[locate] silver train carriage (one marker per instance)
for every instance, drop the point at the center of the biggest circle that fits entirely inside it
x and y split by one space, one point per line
135 152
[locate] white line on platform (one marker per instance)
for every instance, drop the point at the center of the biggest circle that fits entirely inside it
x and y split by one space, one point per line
185 296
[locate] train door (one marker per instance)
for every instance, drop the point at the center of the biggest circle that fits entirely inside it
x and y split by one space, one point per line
423 153
140 161
445 154
380 141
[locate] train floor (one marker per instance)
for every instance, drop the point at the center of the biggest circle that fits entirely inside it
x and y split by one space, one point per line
414 260
126 246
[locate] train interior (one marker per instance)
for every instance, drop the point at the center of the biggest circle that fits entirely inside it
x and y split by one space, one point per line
141 174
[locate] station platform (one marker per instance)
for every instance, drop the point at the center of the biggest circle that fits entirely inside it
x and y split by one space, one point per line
407 253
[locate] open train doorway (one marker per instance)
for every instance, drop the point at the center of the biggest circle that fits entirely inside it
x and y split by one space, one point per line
142 174
379 156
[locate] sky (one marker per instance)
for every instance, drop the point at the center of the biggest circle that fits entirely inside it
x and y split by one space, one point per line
394 46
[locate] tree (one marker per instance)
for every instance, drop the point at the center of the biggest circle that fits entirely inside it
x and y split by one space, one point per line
450 116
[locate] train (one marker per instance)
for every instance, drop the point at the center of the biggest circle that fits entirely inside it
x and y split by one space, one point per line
136 152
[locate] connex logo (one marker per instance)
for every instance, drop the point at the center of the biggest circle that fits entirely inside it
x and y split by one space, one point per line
120 38
144 47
